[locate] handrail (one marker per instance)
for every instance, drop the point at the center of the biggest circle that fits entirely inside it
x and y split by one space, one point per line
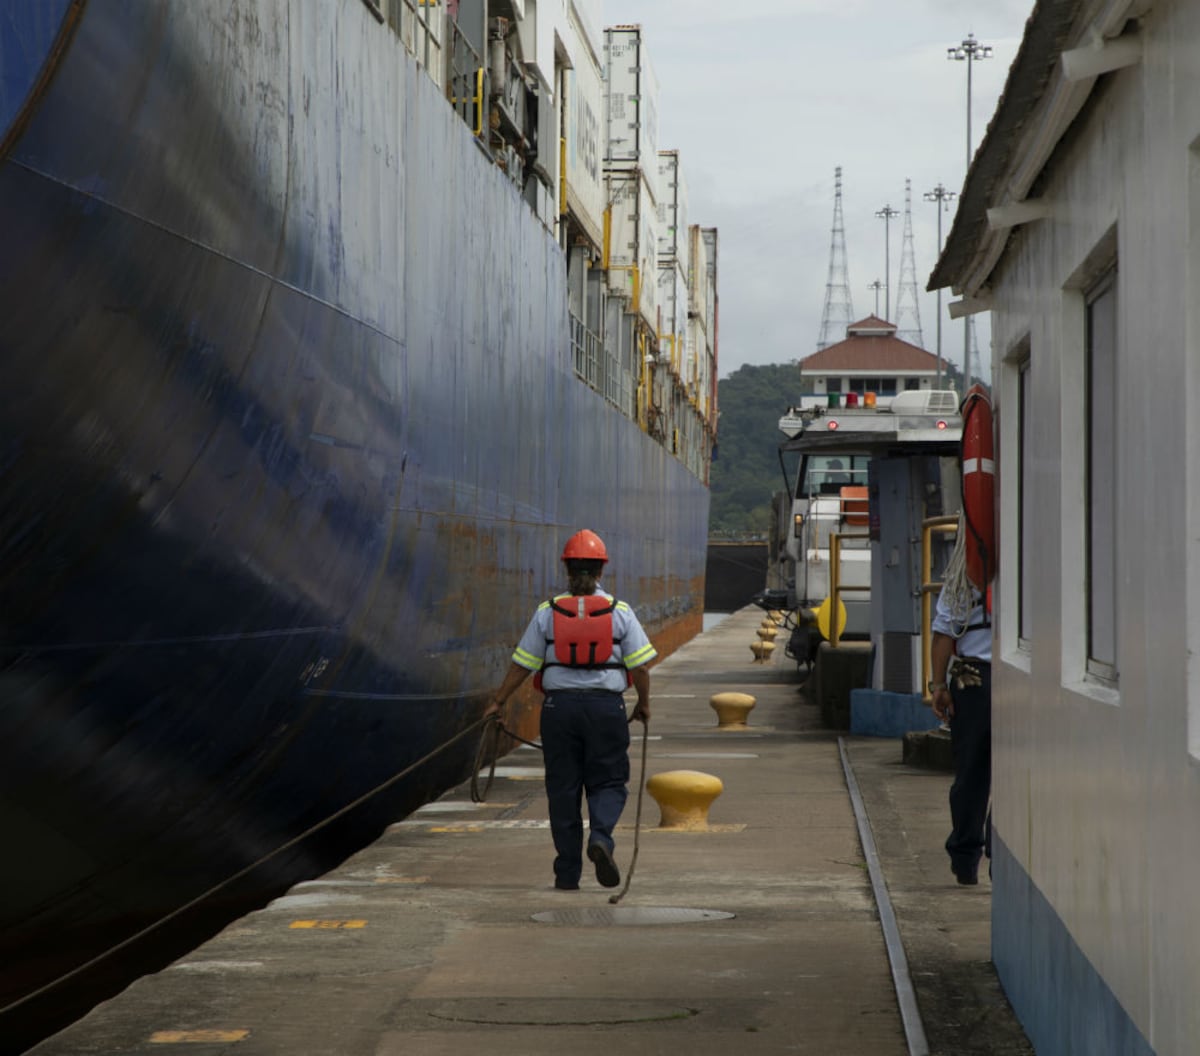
467 70
930 525
835 580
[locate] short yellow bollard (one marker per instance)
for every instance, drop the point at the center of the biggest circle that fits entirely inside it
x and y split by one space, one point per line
731 709
767 634
762 651
683 797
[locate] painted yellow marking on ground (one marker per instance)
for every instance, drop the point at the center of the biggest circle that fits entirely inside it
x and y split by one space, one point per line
484 826
173 1037
734 827
328 924
401 879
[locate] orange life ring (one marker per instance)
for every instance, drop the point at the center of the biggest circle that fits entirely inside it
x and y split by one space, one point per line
979 486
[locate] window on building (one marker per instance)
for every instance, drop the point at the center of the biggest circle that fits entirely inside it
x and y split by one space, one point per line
1026 540
864 384
1100 481
887 386
833 384
911 383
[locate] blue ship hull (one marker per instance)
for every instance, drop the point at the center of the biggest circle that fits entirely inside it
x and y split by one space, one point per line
289 443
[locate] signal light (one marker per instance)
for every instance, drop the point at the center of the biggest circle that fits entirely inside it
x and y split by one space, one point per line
831 424
941 423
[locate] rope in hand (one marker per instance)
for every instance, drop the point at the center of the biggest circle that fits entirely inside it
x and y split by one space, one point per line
54 983
637 825
489 751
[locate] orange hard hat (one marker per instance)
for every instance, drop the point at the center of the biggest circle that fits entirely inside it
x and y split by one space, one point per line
587 545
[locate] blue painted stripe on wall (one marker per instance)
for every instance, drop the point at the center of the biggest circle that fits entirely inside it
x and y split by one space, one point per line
1064 1004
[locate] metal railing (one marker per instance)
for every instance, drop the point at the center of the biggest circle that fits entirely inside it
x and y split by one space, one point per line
466 82
585 350
836 589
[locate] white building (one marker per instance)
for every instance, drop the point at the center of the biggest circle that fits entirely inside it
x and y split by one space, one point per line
1079 226
871 358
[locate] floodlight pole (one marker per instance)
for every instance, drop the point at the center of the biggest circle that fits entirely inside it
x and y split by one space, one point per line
941 196
886 214
969 51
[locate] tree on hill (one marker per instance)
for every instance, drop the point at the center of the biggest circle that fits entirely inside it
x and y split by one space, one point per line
746 471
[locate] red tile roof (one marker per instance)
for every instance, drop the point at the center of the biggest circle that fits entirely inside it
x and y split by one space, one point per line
871 322
883 353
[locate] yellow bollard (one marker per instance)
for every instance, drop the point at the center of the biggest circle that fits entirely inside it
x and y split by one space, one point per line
731 709
683 797
767 634
762 651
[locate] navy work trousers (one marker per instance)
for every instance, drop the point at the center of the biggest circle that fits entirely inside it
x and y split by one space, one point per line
585 745
970 794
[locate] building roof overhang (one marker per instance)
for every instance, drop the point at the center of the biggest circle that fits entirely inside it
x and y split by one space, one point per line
1067 47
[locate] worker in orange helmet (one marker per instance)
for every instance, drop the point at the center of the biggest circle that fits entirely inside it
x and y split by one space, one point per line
585 649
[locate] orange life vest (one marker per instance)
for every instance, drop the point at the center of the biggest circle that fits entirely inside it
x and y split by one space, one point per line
583 635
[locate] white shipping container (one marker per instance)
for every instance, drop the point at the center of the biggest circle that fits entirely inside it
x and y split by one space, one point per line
632 103
697 275
672 209
633 244
584 91
695 356
709 235
673 304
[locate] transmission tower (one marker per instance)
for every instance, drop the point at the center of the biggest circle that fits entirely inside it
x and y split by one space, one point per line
838 313
908 309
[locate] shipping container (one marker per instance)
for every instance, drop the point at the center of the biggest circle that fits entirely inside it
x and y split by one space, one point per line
583 88
632 257
673 306
672 210
712 323
632 104
697 275
709 236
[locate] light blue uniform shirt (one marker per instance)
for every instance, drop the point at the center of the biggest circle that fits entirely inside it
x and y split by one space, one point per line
975 643
631 648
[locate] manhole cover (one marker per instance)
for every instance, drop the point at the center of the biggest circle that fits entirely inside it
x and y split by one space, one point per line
561 1012
636 916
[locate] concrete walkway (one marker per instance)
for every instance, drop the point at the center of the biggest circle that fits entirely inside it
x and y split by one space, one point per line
426 941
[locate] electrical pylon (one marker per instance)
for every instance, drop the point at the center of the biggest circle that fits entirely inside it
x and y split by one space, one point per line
838 313
908 308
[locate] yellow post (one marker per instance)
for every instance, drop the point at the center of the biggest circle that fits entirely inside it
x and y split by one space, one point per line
928 587
835 561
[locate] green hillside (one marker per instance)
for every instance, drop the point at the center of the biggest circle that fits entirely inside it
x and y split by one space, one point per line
746 470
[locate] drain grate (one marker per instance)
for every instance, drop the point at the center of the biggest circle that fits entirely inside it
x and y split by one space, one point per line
626 916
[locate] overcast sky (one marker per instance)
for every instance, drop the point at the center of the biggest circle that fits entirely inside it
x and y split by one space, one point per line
764 100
